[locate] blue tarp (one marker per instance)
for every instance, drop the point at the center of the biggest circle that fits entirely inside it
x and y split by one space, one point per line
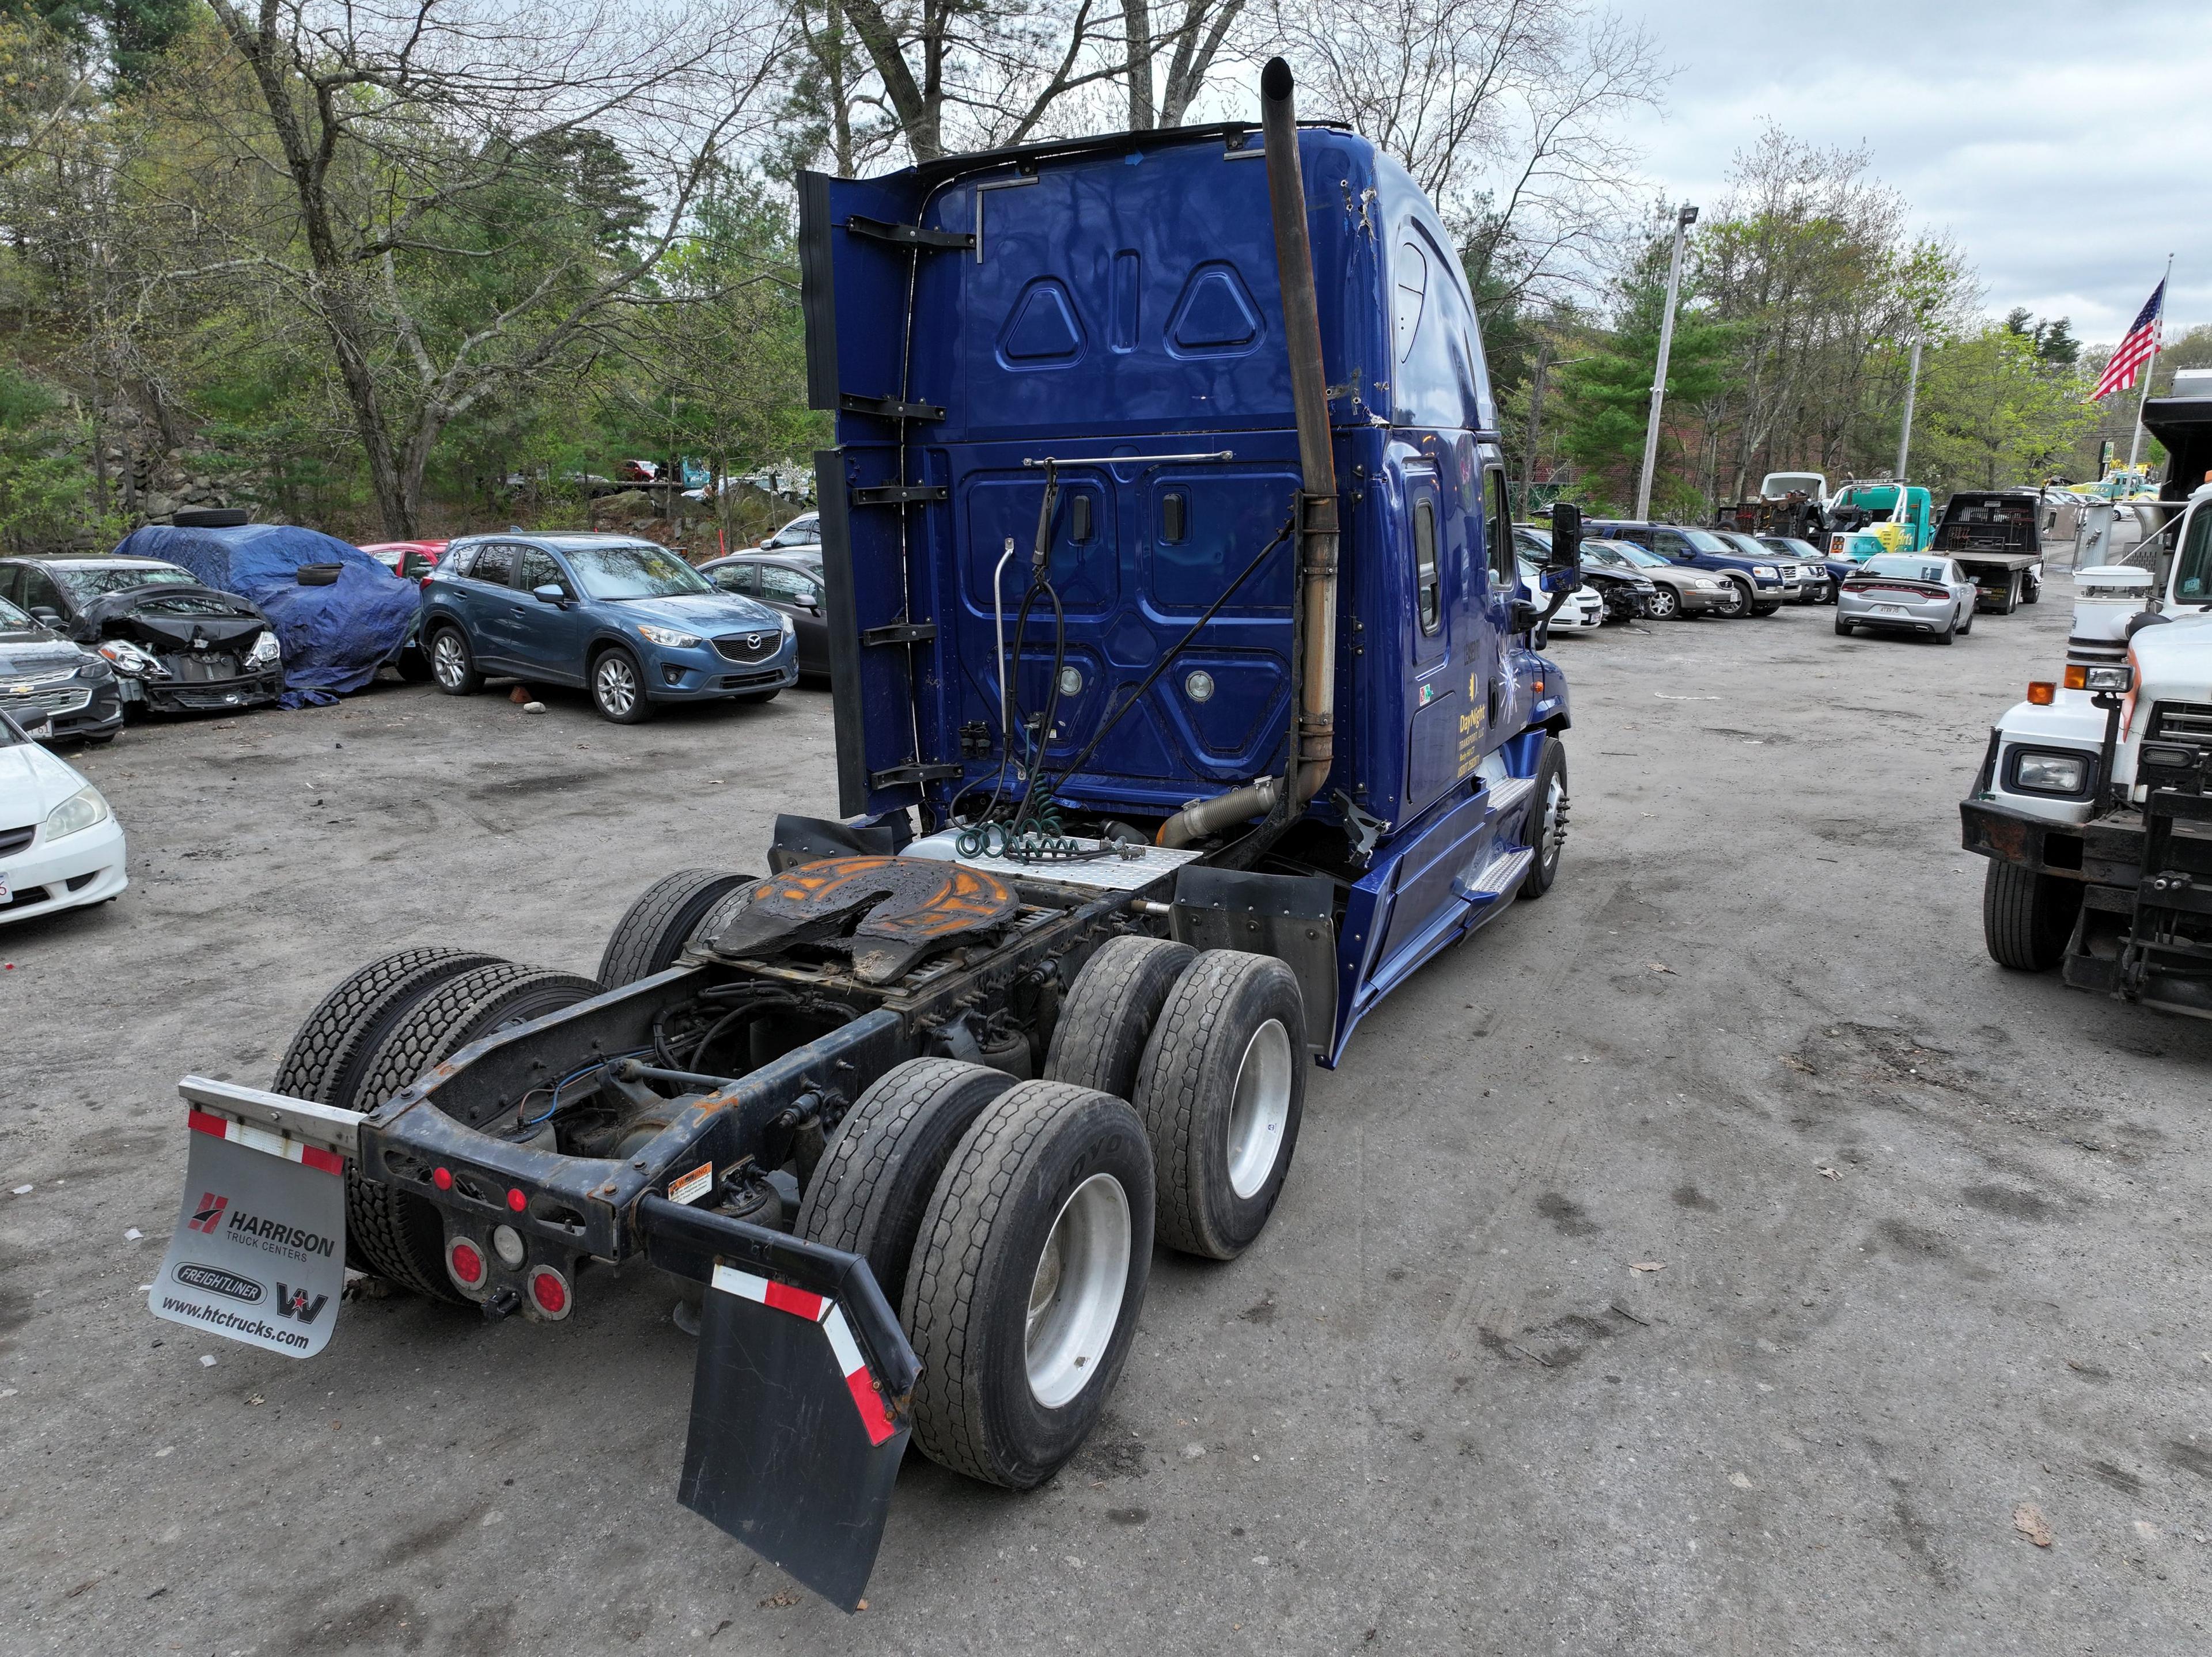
334 638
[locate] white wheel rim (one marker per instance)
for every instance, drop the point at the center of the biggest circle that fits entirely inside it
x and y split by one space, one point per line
617 686
446 657
1554 837
1075 1293
1261 1110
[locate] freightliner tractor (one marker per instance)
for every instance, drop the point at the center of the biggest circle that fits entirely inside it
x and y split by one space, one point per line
2094 803
1185 706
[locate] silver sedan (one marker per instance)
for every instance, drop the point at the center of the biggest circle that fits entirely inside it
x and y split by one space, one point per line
1907 592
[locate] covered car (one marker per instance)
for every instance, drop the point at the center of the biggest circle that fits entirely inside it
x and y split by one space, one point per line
175 643
55 689
339 613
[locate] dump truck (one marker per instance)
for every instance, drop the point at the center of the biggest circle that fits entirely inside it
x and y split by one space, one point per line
1185 707
1995 535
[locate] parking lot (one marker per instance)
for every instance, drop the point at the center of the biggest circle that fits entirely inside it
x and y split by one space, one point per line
1719 1256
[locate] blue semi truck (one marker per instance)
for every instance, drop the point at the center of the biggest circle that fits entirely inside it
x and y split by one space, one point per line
1185 706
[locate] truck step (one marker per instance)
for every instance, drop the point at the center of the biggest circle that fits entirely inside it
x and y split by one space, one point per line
1499 878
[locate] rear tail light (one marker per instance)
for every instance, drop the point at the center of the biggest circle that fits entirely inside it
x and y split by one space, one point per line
466 1261
549 1293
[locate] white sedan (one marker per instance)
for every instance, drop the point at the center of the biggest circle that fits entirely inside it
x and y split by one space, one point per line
1583 610
60 845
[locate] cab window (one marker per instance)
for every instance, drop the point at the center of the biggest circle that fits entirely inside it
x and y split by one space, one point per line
1497 538
1428 587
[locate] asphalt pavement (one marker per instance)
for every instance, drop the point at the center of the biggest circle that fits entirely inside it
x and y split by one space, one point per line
1719 1256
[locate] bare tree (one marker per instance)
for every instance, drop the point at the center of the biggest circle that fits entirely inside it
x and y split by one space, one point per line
1192 34
401 128
1503 111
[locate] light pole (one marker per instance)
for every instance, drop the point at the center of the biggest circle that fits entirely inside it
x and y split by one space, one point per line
1684 218
1905 436
1544 364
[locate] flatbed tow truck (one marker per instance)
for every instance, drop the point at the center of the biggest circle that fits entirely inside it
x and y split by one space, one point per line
1185 706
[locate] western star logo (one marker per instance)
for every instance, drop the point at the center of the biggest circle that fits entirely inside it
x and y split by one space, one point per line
294 1303
210 1213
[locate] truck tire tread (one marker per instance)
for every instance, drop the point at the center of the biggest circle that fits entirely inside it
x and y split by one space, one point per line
873 1188
959 1407
331 1035
1108 1017
2024 921
654 931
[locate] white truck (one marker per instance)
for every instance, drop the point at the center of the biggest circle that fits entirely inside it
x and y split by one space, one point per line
2094 803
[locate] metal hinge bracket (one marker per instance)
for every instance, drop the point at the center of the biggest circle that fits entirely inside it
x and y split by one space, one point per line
909 235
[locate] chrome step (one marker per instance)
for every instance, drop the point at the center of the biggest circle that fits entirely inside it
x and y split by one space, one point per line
1500 875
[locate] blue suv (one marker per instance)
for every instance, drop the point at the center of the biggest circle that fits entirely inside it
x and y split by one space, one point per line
627 620
1762 584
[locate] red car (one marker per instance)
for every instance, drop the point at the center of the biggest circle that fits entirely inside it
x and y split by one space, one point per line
409 560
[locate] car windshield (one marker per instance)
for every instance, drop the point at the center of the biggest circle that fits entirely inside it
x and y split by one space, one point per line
1642 557
1792 547
2193 570
1905 568
96 582
1604 552
11 617
633 572
1706 541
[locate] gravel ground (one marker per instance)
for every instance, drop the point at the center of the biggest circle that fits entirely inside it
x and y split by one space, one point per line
1717 1257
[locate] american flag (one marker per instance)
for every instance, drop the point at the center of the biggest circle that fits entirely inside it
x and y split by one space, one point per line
2138 349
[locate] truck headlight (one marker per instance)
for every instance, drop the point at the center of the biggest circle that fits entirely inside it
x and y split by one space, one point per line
80 812
2115 679
667 637
2042 771
266 651
127 659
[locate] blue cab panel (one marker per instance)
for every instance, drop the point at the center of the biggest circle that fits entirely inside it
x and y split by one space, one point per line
1112 305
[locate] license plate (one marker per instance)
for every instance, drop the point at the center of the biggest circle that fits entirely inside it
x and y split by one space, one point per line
1891 610
41 731
6 896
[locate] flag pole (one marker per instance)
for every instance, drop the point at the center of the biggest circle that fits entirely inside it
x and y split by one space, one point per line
2157 326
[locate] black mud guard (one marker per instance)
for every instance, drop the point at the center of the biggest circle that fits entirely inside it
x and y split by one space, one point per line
801 1403
1290 917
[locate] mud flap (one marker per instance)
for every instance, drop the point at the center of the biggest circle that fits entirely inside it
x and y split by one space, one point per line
800 1414
259 1255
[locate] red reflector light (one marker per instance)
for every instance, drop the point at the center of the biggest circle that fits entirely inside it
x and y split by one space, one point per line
468 1264
2042 692
442 1178
517 1201
551 1293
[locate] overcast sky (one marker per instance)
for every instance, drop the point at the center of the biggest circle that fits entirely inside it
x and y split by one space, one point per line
2066 147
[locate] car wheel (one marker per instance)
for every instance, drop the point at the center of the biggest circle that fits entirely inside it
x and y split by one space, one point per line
452 663
1949 633
413 666
618 688
1967 622
1665 603
1845 630
1221 1089
1736 600
1545 832
1025 1286
1769 609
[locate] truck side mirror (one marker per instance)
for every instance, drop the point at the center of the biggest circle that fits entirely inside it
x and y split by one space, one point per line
1563 564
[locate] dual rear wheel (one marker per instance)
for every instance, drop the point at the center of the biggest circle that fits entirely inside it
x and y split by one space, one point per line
1012 1223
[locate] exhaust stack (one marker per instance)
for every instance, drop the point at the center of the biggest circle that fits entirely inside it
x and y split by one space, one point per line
1317 520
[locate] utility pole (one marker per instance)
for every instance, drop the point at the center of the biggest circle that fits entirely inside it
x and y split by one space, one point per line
1684 218
2157 327
1905 437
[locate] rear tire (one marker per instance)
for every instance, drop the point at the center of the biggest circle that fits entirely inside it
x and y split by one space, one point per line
402 1235
654 931
1664 604
1111 1009
2026 917
1845 630
877 1180
1221 1090
452 663
1949 633
1024 1293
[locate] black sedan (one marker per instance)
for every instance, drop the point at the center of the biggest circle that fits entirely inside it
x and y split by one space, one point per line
173 644
788 582
54 690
